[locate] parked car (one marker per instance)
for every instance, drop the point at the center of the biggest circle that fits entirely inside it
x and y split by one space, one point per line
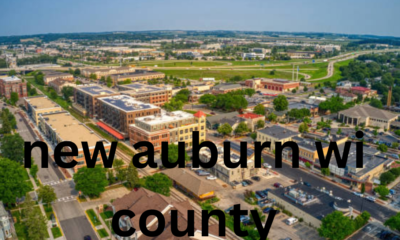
392 191
277 185
87 237
338 198
203 173
244 218
256 178
189 165
211 177
371 199
261 194
267 210
249 182
244 184
358 194
266 165
307 184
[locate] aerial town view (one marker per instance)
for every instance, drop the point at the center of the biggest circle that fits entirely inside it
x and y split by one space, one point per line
217 120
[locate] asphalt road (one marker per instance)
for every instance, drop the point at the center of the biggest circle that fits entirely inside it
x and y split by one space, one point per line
376 210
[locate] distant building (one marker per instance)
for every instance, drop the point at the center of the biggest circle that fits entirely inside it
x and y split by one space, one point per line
300 105
171 127
253 55
12 84
105 72
58 84
50 76
116 113
225 88
211 46
61 127
252 119
367 115
214 121
85 97
137 76
299 55
147 93
279 85
35 106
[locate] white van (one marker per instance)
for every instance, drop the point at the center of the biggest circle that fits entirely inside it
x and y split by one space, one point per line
291 221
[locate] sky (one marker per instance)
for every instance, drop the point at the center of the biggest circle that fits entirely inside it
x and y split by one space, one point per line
24 17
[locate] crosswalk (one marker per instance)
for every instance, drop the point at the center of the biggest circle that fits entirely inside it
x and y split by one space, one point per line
52 183
66 199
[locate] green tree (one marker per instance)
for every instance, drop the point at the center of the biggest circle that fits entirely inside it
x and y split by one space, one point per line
395 145
393 222
376 103
173 105
12 178
77 72
109 81
173 153
382 147
242 128
294 91
103 79
36 225
253 135
303 128
339 131
67 92
120 170
375 132
259 109
159 183
386 178
306 120
12 147
382 190
305 89
46 194
32 92
260 123
225 129
363 188
53 93
12 72
132 176
325 171
14 98
272 117
91 181
280 103
336 226
207 99
34 170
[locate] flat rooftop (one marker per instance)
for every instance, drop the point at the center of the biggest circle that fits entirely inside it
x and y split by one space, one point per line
10 79
95 90
42 102
164 117
127 103
278 132
140 88
55 73
70 129
300 105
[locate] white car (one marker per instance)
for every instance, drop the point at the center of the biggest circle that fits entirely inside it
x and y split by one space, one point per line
338 198
266 165
371 199
358 194
211 177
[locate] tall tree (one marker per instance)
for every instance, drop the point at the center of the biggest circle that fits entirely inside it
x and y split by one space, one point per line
120 169
173 153
259 109
46 194
393 222
12 147
132 176
225 129
242 128
91 181
158 183
14 98
13 181
280 103
336 226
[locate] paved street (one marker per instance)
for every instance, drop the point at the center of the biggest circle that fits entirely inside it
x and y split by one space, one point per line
377 211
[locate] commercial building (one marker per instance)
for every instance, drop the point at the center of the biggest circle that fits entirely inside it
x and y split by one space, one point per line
40 105
143 200
279 85
310 204
275 134
252 120
195 186
225 88
86 97
363 91
137 76
214 121
58 84
232 176
50 76
147 93
61 127
171 127
105 72
301 105
12 84
253 55
367 115
299 55
116 113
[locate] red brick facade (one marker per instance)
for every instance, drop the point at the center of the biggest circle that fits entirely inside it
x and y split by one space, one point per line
7 87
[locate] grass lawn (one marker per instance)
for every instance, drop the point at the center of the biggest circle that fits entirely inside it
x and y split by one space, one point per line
337 74
265 62
106 215
226 73
56 231
103 233
93 217
22 232
181 63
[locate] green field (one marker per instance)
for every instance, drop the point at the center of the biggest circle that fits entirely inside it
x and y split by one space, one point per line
226 74
181 63
337 74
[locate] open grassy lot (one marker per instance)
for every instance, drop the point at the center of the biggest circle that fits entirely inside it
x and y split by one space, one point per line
181 63
337 74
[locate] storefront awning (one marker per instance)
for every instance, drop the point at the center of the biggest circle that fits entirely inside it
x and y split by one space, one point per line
110 130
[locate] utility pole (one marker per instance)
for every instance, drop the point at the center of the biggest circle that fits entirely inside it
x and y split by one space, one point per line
293 73
297 77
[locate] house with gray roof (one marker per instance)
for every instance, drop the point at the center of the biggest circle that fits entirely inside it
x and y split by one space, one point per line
5 224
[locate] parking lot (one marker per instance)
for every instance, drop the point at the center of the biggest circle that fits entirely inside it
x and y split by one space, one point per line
373 231
299 231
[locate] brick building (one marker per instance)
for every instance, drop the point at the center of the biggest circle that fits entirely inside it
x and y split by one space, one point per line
279 85
104 72
12 84
147 93
50 76
172 127
137 76
116 113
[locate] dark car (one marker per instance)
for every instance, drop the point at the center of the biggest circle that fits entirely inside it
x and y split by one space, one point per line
307 184
55 164
87 237
266 210
249 182
277 185
256 178
261 194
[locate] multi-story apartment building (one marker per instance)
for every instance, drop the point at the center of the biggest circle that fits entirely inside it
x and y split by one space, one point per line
59 127
12 84
171 127
147 93
40 105
86 98
116 113
232 176
104 72
50 76
137 76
